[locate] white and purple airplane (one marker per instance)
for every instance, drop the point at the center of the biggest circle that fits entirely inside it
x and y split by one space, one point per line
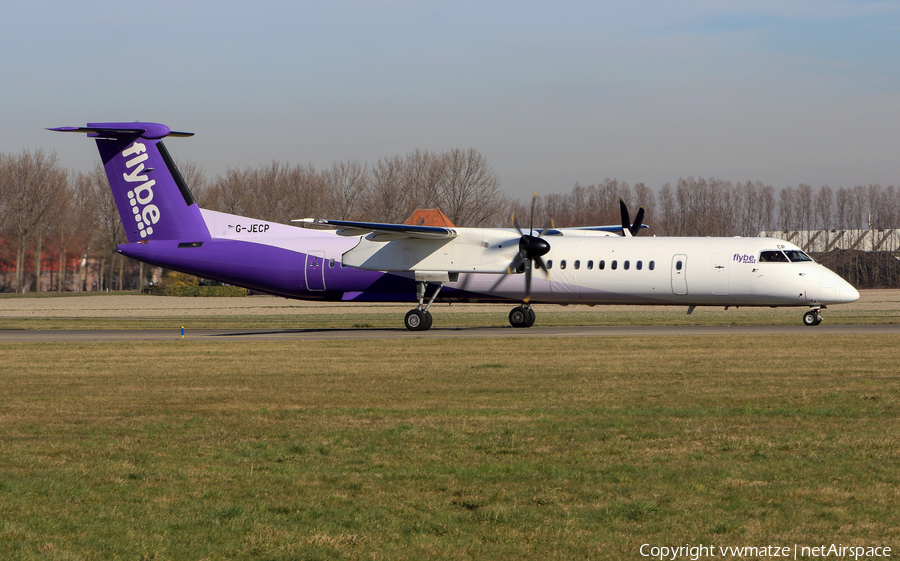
371 262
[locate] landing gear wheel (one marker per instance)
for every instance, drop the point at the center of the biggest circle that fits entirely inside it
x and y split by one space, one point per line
429 319
521 316
811 318
417 320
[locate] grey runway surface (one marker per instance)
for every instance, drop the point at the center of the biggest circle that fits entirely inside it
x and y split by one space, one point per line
34 336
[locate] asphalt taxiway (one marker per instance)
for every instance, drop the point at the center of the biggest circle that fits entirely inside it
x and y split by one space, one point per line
34 336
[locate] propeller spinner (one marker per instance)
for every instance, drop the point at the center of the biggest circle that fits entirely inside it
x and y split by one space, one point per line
531 249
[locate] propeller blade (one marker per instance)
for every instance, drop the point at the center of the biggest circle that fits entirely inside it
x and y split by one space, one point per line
542 266
527 281
516 224
510 269
514 264
636 227
497 284
626 220
531 223
547 225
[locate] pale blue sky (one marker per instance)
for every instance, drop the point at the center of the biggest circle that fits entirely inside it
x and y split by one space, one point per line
551 93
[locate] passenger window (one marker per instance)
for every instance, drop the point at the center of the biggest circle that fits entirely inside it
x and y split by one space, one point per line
772 257
331 263
577 264
639 265
590 264
678 266
627 265
562 264
602 264
549 264
651 265
342 265
614 265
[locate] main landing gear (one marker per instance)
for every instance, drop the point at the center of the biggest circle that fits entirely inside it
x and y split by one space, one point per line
812 317
521 316
419 318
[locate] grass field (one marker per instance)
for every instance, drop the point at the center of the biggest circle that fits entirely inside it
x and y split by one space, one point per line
580 448
266 312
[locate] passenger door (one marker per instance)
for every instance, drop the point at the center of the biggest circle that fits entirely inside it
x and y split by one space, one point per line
679 274
315 270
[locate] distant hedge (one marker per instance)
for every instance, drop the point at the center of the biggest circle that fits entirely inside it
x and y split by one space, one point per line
217 291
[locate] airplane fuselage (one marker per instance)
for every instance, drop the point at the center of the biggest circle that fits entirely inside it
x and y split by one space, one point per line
312 264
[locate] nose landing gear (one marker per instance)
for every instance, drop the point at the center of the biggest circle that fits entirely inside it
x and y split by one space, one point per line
812 317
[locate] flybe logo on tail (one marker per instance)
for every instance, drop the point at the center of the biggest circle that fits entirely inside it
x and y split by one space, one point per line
145 214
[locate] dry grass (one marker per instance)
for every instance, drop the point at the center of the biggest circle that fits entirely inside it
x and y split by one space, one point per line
487 448
267 312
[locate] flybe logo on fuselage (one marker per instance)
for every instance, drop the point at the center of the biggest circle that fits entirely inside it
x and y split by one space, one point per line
145 214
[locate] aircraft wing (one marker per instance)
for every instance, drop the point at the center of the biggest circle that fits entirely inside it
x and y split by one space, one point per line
384 232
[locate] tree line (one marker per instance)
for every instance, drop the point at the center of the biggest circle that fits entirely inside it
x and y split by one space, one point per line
713 207
58 221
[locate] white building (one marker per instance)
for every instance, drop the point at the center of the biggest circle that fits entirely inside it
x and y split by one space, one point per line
820 241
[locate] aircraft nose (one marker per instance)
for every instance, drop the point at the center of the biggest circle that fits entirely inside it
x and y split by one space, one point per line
847 293
835 290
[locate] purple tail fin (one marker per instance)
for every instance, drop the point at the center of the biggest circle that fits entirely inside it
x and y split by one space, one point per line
153 200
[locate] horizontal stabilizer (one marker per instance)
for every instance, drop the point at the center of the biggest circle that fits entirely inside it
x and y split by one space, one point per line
394 231
150 131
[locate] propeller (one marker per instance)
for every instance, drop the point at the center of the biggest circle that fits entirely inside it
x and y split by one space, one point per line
531 249
629 229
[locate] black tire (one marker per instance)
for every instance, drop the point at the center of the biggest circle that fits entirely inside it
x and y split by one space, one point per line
811 318
416 320
518 317
429 319
531 317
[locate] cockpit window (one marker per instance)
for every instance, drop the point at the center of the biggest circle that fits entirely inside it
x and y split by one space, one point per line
772 257
796 255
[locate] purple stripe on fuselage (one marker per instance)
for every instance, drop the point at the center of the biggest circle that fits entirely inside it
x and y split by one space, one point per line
264 268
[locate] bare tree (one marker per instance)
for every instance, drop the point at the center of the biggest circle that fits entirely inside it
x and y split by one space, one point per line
824 205
667 210
891 207
804 214
787 209
195 178
106 223
844 208
423 174
346 184
391 197
470 190
877 207
767 206
231 193
644 197
32 184
860 199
